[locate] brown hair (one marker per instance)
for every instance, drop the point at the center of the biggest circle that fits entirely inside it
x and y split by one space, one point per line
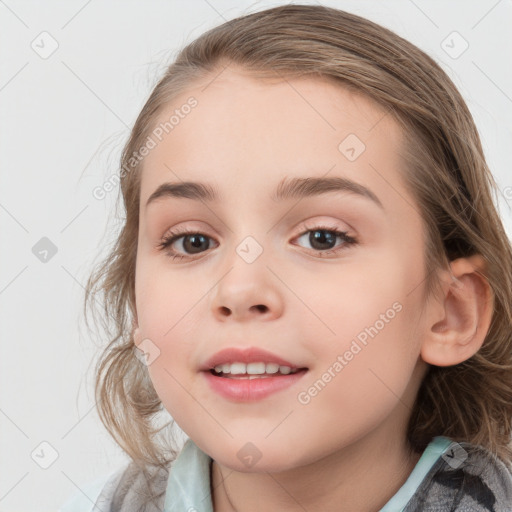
446 172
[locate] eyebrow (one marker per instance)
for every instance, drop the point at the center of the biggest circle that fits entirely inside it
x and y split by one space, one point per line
288 188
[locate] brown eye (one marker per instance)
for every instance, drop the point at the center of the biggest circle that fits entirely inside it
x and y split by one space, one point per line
190 243
323 239
193 244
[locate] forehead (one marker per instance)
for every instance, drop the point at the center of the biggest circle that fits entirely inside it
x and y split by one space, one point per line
245 134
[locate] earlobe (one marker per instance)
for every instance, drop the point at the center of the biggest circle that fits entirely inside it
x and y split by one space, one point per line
460 319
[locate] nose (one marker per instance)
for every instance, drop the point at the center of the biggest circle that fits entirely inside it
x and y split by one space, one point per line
247 292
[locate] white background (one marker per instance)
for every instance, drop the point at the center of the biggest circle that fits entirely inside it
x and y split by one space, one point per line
64 120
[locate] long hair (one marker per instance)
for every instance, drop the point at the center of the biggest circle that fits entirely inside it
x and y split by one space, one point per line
446 173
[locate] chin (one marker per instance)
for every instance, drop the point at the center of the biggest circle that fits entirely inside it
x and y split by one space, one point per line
248 457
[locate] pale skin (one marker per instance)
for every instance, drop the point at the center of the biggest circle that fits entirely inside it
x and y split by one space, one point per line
345 449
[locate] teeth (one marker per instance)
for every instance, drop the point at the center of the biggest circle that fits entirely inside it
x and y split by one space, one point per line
256 368
251 369
237 368
272 368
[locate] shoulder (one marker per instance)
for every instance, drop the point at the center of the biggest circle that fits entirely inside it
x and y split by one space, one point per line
465 478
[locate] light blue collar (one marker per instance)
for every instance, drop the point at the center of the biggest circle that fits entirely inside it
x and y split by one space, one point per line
188 487
428 458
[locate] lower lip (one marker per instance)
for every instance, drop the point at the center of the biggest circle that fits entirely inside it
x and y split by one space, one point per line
248 390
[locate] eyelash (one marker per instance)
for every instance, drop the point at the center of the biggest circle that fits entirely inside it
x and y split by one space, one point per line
178 233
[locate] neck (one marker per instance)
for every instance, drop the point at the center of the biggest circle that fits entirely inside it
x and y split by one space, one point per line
362 476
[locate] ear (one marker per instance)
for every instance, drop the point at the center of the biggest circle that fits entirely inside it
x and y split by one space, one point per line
459 319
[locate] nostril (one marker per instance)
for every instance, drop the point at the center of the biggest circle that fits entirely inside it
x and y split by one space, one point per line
261 307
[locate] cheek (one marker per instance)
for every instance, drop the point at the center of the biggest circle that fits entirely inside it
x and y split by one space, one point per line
164 311
345 302
170 381
369 318
167 302
359 383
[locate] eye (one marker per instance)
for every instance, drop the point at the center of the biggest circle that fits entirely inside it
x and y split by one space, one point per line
189 240
323 239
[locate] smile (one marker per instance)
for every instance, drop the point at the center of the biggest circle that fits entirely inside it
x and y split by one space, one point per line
247 387
252 370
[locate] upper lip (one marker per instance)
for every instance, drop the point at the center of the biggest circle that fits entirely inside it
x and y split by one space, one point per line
244 355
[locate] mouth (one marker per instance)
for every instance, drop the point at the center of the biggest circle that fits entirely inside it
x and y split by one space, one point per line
241 382
254 370
249 374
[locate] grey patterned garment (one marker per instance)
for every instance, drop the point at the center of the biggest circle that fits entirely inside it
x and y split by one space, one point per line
480 483
477 482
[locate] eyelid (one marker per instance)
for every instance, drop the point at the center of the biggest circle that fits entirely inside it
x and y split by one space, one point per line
319 224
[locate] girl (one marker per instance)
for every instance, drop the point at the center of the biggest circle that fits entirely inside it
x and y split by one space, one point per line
312 281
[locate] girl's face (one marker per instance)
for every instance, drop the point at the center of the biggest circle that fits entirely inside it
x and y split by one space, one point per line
263 268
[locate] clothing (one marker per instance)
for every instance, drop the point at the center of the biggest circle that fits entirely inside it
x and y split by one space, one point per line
448 477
